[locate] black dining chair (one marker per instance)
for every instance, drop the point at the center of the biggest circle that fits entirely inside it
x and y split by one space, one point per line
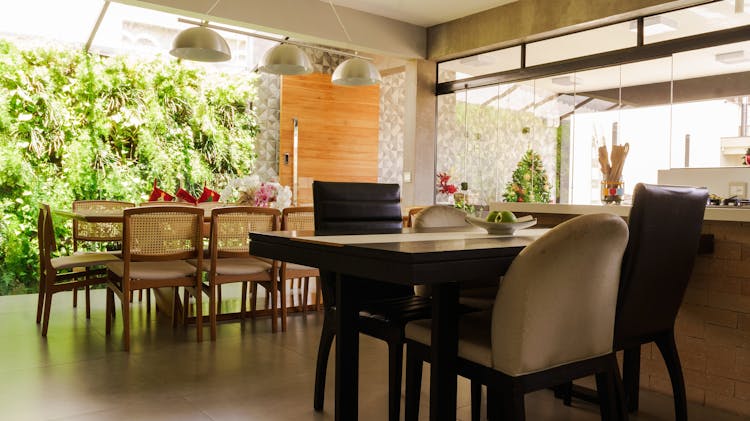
665 225
365 208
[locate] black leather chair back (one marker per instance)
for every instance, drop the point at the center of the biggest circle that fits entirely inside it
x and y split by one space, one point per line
665 225
356 208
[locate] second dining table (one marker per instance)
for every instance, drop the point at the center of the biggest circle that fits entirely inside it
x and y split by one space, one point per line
441 258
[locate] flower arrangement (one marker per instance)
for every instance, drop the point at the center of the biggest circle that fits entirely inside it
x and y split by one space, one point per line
250 190
443 186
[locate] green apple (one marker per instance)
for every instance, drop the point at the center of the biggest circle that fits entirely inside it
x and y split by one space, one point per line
506 216
492 216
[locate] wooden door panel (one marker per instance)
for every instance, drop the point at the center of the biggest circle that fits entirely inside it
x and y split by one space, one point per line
337 131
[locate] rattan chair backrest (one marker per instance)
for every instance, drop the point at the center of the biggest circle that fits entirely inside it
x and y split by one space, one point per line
301 218
162 233
230 227
98 231
162 203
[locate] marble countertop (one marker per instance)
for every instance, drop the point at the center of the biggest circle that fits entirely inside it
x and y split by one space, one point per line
724 213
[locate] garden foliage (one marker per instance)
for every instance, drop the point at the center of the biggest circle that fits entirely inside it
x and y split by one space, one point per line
79 126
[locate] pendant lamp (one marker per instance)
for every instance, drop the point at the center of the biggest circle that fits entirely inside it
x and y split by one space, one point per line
200 44
285 59
356 72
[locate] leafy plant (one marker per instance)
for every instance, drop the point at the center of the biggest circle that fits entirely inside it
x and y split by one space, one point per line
78 126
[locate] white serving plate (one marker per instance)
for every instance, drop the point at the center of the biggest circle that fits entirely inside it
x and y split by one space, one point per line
500 228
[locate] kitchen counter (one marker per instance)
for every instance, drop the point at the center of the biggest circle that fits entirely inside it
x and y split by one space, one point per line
719 213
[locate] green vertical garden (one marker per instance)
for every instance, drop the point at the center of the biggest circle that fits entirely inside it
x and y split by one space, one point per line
79 126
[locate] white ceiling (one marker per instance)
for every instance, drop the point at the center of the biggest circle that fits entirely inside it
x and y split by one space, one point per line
421 12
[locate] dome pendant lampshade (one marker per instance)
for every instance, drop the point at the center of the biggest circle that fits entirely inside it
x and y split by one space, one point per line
356 72
285 59
200 44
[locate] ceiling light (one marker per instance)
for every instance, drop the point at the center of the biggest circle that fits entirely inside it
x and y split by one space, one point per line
566 80
285 59
654 25
355 71
732 57
479 60
200 44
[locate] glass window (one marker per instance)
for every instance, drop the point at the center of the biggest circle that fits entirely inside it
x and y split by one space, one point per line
480 64
599 40
696 20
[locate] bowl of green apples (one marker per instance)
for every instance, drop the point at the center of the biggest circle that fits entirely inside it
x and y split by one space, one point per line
502 222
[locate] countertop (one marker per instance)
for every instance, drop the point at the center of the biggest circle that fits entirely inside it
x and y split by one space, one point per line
724 213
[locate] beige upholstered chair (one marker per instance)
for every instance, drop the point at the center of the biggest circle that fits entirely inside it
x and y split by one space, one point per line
297 219
478 294
56 273
157 241
229 259
553 320
96 232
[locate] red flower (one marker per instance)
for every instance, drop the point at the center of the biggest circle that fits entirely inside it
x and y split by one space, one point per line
443 186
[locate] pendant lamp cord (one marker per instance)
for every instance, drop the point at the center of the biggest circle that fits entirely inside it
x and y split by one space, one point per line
211 9
339 19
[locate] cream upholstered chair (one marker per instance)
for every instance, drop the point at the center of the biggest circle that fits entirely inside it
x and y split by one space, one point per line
298 219
96 232
553 320
157 241
479 294
229 259
57 273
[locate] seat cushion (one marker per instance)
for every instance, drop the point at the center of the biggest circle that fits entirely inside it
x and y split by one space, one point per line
294 266
154 270
82 260
236 266
474 330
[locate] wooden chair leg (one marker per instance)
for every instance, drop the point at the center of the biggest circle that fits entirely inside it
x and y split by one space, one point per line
413 386
185 306
395 367
40 299
476 400
218 296
282 285
327 335
631 375
198 311
88 301
317 294
494 407
254 299
148 302
243 301
140 295
668 350
274 306
126 322
110 303
305 293
47 306
75 297
212 308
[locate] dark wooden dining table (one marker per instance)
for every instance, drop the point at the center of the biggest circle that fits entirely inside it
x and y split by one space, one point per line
442 259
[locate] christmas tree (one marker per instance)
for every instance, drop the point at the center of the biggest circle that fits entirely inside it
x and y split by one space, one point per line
529 183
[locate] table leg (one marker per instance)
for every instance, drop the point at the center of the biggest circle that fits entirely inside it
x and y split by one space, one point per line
444 352
347 349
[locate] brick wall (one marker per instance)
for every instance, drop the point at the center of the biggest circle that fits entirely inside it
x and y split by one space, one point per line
713 325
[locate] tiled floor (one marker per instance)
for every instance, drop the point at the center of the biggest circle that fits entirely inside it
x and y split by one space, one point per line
249 373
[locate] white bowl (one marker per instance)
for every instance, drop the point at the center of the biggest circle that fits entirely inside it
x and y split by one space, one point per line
500 228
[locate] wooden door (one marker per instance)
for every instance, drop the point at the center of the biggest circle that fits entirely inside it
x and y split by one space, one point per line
337 132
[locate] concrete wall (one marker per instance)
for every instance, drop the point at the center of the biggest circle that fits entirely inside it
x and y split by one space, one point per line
527 20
